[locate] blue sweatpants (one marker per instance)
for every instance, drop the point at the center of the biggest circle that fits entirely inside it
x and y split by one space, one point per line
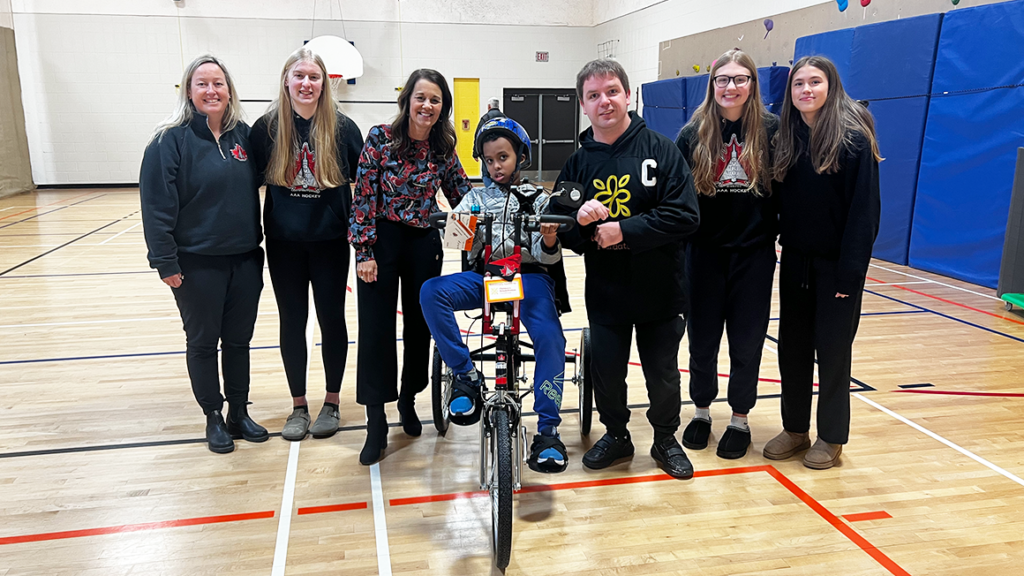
441 297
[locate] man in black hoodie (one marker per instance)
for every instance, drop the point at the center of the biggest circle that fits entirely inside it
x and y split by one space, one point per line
640 205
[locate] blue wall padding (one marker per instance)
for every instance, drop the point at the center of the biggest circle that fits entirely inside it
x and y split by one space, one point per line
899 125
836 46
664 103
981 47
667 121
967 164
893 59
773 86
696 91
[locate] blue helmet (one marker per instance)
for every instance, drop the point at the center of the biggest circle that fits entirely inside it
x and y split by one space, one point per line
513 131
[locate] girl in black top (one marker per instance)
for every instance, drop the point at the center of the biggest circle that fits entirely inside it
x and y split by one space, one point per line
826 173
731 258
201 219
307 151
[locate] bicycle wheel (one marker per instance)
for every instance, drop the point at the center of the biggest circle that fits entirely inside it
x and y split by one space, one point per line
585 384
440 391
501 487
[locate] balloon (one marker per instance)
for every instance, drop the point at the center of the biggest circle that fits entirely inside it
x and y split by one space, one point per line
768 26
865 3
696 67
842 5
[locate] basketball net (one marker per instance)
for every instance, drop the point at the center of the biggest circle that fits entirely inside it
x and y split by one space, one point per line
337 81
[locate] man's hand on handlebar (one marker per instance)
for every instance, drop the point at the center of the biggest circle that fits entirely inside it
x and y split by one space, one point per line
591 211
367 271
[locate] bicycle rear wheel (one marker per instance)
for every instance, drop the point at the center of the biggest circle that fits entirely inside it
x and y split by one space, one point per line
440 391
501 487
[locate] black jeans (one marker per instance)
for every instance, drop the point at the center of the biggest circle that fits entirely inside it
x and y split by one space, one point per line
218 300
408 256
658 345
730 289
814 320
293 267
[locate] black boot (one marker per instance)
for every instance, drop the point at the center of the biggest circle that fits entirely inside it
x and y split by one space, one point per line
217 437
376 435
410 421
240 425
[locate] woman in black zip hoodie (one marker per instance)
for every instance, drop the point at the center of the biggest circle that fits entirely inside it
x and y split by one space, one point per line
306 152
200 215
826 172
731 258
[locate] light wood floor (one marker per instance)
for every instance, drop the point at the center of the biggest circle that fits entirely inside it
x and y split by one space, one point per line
103 470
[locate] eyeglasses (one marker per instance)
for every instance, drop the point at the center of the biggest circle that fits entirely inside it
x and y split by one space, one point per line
739 81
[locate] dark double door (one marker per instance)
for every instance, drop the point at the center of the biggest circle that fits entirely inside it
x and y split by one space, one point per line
551 117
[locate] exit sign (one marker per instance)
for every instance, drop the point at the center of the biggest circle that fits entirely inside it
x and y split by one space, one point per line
542 56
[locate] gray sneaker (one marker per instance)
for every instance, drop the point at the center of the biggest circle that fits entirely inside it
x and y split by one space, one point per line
326 423
296 425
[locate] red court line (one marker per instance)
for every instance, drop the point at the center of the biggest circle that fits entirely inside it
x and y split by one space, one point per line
331 508
136 527
864 516
804 497
918 292
953 393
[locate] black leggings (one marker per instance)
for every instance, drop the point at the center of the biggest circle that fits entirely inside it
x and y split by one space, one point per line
293 267
407 256
218 300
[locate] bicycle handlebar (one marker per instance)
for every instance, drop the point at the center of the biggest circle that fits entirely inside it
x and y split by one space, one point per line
531 223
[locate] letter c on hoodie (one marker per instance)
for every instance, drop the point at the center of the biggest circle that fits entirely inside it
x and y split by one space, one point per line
645 172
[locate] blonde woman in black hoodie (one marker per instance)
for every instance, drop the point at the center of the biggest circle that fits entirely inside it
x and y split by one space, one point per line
826 173
201 219
731 259
306 152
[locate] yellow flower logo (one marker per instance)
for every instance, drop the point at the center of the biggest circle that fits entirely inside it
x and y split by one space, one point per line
614 195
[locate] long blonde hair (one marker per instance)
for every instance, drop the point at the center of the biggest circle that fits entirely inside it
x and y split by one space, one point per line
708 120
322 133
184 111
832 134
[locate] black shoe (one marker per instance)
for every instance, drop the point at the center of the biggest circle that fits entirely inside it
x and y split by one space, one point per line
240 425
218 439
376 435
734 443
670 455
695 436
607 451
410 421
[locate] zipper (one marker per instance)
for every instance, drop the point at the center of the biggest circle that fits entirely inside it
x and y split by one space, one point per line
216 139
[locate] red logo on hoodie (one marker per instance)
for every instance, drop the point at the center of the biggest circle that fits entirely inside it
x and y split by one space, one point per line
239 153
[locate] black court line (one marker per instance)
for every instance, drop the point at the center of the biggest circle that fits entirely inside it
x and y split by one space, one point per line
954 318
79 274
863 387
69 242
51 211
924 385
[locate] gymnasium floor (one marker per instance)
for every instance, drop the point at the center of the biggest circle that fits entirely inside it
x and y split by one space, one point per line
103 468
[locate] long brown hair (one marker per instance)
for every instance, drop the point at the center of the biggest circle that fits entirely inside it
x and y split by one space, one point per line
838 120
708 119
442 133
322 133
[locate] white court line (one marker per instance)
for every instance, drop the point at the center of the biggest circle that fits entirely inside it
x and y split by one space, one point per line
936 282
898 283
935 436
380 525
86 322
136 225
284 526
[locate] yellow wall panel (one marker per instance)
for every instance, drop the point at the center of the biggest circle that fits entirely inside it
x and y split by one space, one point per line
467 114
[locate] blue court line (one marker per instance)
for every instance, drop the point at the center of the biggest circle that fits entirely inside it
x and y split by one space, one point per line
923 309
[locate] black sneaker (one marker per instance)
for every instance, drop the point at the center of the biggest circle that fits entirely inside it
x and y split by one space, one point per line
695 436
607 451
734 443
670 455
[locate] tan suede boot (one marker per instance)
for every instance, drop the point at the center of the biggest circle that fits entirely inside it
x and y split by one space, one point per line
786 444
822 455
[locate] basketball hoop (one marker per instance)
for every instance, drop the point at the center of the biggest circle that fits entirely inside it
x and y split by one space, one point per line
342 59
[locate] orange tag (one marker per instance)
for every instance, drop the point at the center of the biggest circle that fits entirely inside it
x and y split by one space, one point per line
460 230
501 290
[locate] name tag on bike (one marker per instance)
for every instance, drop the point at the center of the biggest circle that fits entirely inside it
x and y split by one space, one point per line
501 290
459 231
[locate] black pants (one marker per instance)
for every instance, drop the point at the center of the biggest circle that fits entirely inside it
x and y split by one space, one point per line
407 256
658 345
293 267
730 288
814 320
218 300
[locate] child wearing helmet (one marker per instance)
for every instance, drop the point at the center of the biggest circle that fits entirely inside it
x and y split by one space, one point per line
504 147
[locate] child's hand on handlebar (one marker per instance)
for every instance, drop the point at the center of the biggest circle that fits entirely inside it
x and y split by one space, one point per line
591 211
550 234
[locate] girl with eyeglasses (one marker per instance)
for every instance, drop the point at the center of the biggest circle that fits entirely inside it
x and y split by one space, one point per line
826 176
731 258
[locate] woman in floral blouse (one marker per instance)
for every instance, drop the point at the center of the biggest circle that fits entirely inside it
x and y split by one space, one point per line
402 168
